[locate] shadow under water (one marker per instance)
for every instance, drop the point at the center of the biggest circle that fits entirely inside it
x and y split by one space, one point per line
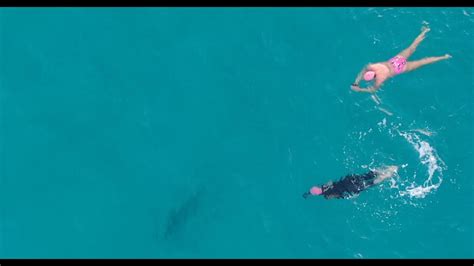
177 218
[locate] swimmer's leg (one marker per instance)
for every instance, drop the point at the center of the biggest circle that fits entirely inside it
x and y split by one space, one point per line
412 65
385 173
411 49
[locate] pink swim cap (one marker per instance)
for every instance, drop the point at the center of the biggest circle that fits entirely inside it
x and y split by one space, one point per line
369 75
316 191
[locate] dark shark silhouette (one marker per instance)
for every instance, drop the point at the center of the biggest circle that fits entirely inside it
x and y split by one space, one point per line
178 217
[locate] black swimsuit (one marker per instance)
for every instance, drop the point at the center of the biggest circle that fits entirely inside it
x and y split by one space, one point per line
349 186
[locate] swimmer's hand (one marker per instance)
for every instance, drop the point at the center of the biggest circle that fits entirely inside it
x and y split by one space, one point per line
355 87
306 194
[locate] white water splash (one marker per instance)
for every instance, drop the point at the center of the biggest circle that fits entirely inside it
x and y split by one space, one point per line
429 158
417 179
382 123
385 111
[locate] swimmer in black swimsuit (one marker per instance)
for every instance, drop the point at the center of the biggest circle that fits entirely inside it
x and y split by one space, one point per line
352 185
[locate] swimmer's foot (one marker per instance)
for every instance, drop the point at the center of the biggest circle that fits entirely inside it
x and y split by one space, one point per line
384 173
421 36
425 29
447 56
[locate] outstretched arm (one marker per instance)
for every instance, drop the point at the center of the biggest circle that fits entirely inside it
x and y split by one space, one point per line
370 89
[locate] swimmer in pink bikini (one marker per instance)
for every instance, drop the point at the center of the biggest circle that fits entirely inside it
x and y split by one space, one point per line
395 66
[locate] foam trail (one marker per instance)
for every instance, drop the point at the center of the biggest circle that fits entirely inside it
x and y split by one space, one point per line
430 159
385 111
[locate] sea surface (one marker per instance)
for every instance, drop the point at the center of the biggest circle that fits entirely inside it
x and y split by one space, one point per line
194 132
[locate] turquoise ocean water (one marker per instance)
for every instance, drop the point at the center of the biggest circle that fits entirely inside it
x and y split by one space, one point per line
193 133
